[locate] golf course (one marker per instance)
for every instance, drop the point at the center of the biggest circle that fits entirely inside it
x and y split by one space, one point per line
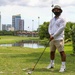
18 60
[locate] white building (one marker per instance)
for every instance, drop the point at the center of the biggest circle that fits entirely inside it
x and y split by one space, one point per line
11 29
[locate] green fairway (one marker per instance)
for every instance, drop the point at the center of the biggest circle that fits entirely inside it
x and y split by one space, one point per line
13 39
14 59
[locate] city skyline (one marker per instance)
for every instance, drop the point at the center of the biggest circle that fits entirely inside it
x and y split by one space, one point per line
32 9
17 24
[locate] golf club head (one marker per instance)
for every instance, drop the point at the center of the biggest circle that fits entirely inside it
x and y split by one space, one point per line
29 72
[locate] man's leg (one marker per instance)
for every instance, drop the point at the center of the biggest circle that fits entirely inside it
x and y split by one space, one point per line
63 59
52 57
52 54
63 56
60 46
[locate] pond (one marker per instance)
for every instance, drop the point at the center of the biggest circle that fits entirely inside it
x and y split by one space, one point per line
30 44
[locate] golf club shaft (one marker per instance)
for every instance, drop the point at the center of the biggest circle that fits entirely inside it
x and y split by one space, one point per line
40 56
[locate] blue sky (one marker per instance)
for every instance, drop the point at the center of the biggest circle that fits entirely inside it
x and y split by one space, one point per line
32 9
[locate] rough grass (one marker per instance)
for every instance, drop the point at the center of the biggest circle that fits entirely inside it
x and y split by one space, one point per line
14 59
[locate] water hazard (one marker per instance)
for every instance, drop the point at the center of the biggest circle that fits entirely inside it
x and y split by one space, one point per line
30 44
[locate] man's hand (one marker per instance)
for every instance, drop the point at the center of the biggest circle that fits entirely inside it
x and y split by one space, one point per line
51 37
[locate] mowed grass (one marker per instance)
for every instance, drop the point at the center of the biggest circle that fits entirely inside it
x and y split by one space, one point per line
13 39
14 59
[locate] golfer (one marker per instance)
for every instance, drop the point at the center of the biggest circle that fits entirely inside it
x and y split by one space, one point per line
56 32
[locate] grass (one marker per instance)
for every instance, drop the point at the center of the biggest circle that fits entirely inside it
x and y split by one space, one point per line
13 39
14 59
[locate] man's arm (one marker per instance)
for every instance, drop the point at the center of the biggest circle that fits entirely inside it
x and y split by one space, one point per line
49 30
61 29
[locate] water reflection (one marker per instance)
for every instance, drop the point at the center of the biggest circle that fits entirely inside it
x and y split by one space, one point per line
30 44
10 45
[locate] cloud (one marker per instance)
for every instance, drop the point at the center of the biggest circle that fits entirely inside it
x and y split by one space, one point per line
37 3
67 2
14 2
25 2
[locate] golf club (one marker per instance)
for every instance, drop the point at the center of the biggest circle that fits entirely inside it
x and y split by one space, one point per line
30 71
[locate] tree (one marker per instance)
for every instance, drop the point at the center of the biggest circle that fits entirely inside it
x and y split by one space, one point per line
4 32
70 34
73 37
43 30
68 29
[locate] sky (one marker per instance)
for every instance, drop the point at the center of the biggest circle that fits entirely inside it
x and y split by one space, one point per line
32 9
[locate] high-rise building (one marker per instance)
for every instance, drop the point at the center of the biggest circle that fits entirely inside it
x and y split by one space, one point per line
7 27
4 27
16 21
0 21
21 25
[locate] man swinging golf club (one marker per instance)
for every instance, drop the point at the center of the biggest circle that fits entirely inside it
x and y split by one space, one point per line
56 31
